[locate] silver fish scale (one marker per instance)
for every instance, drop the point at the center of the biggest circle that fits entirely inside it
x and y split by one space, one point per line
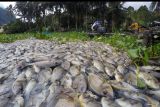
74 74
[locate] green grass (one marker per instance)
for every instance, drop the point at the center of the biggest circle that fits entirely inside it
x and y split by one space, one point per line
140 83
137 52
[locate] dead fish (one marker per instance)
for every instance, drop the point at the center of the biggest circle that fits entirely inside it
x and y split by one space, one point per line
80 83
74 70
46 64
55 87
109 71
19 101
155 73
4 89
88 102
45 93
36 68
28 89
37 58
65 103
98 65
22 64
82 58
19 83
154 92
151 67
122 86
106 102
17 87
51 100
91 94
83 69
37 99
37 89
29 73
4 101
91 69
139 96
152 102
68 100
57 74
95 82
133 95
44 76
66 65
21 77
124 102
107 90
108 60
70 57
3 76
111 66
99 86
55 91
130 87
150 80
76 62
131 78
103 76
154 61
121 69
67 81
119 77
119 60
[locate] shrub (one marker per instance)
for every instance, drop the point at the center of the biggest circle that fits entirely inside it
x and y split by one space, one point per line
15 27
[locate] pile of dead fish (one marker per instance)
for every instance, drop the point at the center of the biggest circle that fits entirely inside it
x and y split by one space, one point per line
39 73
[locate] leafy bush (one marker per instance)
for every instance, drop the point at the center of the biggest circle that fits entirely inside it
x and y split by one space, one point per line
15 27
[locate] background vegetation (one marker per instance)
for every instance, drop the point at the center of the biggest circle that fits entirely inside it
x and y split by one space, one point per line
77 16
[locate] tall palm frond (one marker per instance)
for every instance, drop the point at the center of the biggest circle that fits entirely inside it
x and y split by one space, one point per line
155 6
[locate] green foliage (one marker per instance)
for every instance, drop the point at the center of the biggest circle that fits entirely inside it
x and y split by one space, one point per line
7 38
143 16
133 53
140 83
15 27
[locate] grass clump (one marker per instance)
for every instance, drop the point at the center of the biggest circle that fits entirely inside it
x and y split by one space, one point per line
140 83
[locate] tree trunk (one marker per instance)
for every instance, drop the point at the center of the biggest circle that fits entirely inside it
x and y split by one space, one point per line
76 24
103 15
52 23
68 22
24 23
92 14
113 23
44 18
59 21
86 20
29 23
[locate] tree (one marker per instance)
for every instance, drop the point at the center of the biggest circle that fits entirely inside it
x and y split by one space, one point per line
155 6
143 15
129 17
116 14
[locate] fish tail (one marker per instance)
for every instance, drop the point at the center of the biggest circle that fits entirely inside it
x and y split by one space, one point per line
26 98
